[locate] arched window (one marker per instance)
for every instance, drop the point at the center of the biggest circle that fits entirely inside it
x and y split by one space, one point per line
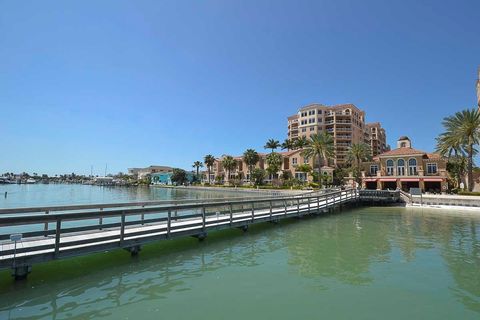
412 167
389 167
401 167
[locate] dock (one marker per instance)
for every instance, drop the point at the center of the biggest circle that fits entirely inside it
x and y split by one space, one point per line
43 234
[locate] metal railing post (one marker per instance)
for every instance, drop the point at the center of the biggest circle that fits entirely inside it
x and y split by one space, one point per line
253 211
45 227
203 218
122 229
298 206
285 204
271 209
100 220
169 222
231 214
58 231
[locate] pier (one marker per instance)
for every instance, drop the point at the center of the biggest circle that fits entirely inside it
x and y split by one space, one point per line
35 235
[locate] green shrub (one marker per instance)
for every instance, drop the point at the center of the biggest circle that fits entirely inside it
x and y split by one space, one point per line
467 193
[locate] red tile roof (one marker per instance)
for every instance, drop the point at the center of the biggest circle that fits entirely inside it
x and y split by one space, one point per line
402 151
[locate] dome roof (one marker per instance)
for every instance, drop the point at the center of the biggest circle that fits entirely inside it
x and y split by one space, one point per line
404 138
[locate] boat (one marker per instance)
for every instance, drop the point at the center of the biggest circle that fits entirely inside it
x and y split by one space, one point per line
30 181
5 180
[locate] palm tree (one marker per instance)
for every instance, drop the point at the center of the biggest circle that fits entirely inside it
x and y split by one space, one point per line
320 146
288 144
463 128
448 145
251 158
301 142
197 165
229 164
358 153
274 162
272 144
209 161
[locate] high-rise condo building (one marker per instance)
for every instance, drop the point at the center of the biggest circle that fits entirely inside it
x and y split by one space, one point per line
345 122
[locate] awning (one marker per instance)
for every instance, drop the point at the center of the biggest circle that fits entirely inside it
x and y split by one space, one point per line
410 180
370 179
433 179
388 180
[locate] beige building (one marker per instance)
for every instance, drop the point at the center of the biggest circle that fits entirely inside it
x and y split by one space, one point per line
405 168
478 88
376 138
140 173
345 122
290 162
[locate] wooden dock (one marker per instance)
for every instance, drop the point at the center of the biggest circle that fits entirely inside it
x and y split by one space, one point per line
67 231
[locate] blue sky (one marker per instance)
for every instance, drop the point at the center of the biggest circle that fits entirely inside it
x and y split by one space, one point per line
134 83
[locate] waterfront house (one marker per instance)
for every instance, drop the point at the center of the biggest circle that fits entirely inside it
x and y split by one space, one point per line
291 160
405 168
141 173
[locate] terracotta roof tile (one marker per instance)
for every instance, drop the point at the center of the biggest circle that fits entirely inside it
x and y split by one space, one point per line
401 152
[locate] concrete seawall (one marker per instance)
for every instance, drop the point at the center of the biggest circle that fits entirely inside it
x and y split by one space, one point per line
448 201
260 192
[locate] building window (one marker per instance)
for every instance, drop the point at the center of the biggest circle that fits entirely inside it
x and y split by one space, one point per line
373 169
304 129
319 119
401 167
305 160
389 167
301 176
431 168
412 167
311 112
294 160
312 128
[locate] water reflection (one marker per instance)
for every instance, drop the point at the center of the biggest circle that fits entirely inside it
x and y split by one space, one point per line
338 248
95 292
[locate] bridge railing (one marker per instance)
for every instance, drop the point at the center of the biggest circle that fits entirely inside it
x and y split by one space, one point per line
121 226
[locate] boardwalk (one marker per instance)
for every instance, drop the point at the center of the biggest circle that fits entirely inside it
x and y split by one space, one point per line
80 230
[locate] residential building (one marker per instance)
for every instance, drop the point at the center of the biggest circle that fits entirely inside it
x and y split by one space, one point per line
290 162
345 122
141 173
405 168
478 88
165 178
376 138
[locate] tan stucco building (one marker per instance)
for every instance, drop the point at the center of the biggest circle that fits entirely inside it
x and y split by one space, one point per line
345 122
405 168
290 161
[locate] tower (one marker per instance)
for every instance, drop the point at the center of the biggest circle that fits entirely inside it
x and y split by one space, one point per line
478 88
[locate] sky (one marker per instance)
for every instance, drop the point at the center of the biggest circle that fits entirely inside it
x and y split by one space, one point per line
135 83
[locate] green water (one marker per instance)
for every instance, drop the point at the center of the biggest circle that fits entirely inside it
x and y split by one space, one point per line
368 263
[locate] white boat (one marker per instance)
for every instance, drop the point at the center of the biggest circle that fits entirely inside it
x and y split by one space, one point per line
30 181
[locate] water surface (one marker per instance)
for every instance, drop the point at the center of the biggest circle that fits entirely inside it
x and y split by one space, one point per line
368 263
30 195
